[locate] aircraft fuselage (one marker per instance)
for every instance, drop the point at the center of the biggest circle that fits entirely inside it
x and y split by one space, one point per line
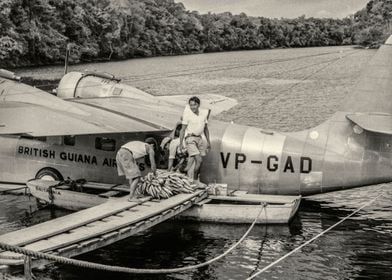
332 156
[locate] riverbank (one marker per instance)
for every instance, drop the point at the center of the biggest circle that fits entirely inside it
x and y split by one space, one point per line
33 35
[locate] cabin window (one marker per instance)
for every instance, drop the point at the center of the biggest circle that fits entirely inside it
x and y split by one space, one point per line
105 144
42 139
69 140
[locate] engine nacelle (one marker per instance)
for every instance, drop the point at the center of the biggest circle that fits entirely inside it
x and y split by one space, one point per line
95 85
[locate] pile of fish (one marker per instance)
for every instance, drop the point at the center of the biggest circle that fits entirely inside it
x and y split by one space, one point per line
164 184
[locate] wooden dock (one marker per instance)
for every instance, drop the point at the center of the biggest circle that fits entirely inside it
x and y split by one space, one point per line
95 227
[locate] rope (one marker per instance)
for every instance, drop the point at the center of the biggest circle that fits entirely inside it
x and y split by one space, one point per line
312 239
111 268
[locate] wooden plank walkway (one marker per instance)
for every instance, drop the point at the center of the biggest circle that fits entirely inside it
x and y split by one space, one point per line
96 227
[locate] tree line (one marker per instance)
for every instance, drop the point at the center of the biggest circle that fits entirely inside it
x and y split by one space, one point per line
373 24
37 32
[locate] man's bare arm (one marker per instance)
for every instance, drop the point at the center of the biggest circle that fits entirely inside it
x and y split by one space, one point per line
170 166
151 154
182 134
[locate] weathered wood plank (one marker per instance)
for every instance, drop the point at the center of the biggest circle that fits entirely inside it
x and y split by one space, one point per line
115 223
68 222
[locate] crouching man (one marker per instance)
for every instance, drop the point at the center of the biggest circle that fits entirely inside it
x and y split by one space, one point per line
126 161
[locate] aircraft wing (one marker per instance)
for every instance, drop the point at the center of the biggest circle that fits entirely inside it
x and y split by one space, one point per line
87 104
214 102
155 114
26 110
34 120
162 111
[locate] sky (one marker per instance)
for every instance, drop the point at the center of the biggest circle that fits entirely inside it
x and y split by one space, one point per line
279 8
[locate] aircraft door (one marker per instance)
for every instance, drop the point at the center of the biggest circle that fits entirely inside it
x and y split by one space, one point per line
250 161
231 156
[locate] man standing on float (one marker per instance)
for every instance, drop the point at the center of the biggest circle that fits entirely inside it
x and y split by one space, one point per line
194 124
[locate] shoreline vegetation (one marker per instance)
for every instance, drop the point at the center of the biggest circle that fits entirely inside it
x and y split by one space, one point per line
37 32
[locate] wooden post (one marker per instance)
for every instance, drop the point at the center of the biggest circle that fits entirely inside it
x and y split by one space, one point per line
27 268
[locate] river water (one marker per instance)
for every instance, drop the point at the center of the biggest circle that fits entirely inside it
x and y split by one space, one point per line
287 90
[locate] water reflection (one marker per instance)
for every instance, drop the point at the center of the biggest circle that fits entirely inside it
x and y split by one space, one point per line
357 249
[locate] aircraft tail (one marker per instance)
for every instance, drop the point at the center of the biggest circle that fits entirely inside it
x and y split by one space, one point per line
373 93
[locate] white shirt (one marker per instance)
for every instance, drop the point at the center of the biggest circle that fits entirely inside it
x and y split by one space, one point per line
195 123
138 148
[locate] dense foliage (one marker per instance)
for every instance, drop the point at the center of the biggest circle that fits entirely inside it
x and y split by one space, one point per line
373 24
34 32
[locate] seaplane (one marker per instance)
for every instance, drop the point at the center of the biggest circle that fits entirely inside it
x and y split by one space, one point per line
77 132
